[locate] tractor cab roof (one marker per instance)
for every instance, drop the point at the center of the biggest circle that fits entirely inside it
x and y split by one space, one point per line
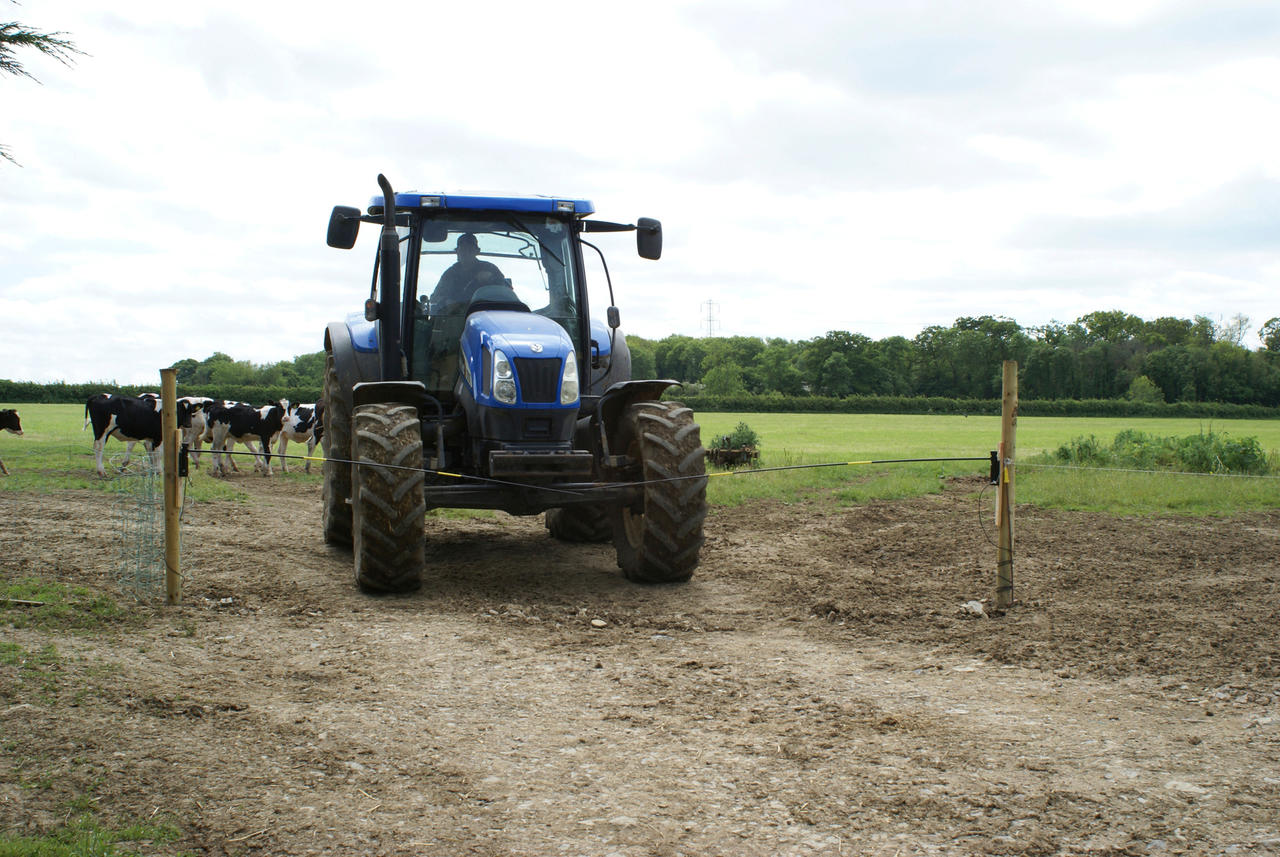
474 202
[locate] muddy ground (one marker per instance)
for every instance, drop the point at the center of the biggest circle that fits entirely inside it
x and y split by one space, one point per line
818 688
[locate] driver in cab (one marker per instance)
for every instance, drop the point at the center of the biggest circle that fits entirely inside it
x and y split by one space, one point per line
460 281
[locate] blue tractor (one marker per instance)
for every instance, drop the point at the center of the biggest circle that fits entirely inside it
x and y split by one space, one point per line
475 377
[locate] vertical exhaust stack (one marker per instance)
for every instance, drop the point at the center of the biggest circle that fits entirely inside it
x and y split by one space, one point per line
389 292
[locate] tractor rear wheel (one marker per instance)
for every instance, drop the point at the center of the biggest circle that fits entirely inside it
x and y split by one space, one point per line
388 507
337 461
579 524
659 537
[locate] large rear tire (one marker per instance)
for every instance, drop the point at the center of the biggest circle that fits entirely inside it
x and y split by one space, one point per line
388 507
658 539
336 496
579 524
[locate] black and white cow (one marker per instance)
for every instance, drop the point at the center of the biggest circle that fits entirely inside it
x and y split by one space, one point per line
301 425
245 424
130 418
10 422
194 435
207 437
153 398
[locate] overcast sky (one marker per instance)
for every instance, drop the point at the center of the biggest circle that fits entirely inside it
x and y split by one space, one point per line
876 167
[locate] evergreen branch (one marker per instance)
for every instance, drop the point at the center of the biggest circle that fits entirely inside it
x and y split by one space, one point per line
14 35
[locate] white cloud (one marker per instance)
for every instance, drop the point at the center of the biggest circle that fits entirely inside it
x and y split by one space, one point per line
871 166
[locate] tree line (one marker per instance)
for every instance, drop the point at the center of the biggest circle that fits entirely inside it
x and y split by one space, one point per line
1098 358
1102 355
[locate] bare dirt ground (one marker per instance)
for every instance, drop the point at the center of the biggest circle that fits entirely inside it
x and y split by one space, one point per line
816 689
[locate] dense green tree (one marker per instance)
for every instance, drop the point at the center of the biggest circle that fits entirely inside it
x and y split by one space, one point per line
778 371
835 377
1107 369
852 373
1173 370
894 361
1111 326
308 369
203 373
234 372
741 352
1143 389
1269 333
1050 372
965 359
186 370
1203 332
1165 331
680 357
724 380
643 365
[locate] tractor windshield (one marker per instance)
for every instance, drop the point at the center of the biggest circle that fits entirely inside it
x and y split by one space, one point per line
522 258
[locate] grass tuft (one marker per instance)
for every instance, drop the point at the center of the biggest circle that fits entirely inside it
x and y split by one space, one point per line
35 603
84 836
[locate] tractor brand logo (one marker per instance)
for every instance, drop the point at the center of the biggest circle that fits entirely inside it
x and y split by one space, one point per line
536 347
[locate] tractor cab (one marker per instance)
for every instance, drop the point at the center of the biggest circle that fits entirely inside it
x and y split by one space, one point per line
471 262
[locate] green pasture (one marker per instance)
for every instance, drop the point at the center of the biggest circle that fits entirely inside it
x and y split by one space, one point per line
57 453
790 439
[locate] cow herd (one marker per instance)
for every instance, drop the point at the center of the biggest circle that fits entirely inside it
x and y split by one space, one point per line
220 423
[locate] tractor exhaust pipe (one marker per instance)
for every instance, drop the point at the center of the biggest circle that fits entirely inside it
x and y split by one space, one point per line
389 291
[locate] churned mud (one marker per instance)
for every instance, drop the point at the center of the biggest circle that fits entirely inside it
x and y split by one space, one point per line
820 687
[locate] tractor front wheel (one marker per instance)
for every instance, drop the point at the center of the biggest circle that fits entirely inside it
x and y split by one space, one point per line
658 538
388 507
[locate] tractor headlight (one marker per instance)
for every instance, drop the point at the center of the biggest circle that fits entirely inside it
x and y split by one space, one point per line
569 381
504 380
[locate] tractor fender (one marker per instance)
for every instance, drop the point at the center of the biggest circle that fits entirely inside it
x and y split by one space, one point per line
353 366
607 419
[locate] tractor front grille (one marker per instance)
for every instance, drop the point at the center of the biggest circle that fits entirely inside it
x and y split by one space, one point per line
539 378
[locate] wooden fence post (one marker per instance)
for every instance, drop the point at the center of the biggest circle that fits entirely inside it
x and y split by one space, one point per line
172 437
1004 497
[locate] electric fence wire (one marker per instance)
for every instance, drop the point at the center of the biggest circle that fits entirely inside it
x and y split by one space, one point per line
579 490
1088 469
78 451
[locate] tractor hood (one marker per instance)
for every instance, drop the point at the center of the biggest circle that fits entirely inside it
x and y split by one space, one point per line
519 334
536 346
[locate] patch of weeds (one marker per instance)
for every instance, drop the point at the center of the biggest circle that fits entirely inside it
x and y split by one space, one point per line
1206 452
85 836
35 603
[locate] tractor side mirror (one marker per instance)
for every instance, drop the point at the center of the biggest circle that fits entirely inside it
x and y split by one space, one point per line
614 317
344 224
649 238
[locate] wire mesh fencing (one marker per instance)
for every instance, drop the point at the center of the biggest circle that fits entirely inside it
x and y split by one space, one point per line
138 490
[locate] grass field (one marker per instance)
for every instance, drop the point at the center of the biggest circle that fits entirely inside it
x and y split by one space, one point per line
57 453
788 439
